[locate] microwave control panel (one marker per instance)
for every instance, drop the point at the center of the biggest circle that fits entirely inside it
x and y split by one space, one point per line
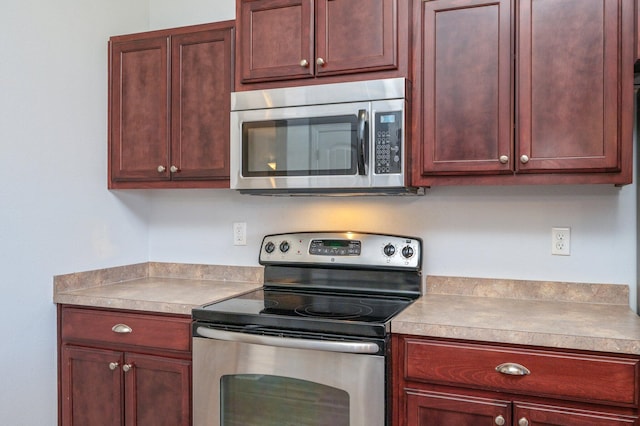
388 142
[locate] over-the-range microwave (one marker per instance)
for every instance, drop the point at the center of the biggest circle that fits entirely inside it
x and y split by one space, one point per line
334 139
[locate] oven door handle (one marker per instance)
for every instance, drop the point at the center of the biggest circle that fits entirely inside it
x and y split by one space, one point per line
288 342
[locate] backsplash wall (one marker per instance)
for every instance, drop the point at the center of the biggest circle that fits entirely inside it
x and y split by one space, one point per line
491 232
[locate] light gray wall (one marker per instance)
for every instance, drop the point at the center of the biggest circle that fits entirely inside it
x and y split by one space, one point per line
56 215
488 232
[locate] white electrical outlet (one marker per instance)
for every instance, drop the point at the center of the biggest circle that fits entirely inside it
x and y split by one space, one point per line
239 233
561 241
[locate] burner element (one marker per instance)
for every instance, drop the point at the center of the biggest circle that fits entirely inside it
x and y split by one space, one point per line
334 310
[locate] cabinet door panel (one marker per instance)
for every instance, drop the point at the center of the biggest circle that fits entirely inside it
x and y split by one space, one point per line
91 391
569 80
465 85
275 36
542 415
158 391
201 80
432 408
353 36
140 110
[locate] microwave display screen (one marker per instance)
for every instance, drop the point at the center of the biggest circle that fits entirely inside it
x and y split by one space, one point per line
300 146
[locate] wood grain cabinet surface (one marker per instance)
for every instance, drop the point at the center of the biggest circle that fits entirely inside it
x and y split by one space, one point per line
169 104
637 67
280 40
444 382
123 368
523 91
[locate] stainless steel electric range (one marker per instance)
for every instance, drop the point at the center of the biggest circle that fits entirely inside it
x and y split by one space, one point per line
309 348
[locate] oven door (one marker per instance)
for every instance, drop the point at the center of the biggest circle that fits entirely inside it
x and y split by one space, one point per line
253 384
302 147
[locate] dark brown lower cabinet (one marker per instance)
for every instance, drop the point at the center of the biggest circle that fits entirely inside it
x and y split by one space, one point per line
440 382
114 378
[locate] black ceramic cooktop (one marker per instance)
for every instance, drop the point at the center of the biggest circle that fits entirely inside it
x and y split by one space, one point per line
352 314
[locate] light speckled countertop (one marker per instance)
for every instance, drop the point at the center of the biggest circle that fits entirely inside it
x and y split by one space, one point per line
561 315
593 317
155 287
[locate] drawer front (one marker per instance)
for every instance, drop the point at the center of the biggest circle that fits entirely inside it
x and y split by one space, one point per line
590 378
88 325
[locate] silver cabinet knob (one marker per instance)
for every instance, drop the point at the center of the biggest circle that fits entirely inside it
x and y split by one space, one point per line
173 169
304 63
523 422
122 329
127 367
500 421
504 159
113 366
320 61
161 169
524 159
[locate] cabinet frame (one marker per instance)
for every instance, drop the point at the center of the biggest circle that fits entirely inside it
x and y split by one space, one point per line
147 349
453 381
311 23
168 114
615 168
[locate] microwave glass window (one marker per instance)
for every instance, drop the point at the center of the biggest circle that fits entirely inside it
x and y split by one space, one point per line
300 147
260 400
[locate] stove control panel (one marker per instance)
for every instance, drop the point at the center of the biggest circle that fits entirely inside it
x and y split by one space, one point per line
342 248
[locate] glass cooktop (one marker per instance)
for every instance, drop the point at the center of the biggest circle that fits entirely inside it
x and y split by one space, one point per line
352 314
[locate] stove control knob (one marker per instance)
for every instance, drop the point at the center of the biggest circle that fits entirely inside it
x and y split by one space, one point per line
407 252
269 247
284 246
389 250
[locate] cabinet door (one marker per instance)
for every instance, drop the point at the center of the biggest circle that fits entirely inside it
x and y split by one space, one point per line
158 391
542 415
355 36
275 39
139 107
201 80
463 107
572 72
433 408
91 391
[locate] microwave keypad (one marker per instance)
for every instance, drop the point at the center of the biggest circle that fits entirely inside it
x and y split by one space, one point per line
388 137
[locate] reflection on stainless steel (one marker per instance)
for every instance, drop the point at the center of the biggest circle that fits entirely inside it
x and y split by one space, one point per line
360 376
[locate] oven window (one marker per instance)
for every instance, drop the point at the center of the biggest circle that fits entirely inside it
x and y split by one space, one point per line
300 147
264 400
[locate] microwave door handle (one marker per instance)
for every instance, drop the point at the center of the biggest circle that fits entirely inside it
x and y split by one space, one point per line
362 144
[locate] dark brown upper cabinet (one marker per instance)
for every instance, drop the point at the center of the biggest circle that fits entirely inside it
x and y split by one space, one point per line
169 107
550 103
281 40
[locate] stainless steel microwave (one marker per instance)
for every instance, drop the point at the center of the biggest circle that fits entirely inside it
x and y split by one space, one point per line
343 138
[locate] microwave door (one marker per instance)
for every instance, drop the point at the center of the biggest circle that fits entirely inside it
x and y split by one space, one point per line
310 147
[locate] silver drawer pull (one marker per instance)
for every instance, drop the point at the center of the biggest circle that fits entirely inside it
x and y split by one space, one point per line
121 328
513 369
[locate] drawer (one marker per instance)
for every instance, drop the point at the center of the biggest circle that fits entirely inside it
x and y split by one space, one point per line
153 331
567 375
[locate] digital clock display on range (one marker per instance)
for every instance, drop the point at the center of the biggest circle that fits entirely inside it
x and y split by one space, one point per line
335 247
